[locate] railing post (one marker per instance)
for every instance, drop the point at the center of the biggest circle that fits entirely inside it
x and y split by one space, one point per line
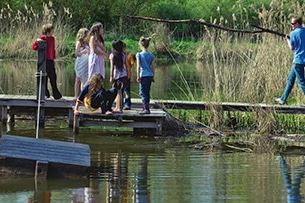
41 66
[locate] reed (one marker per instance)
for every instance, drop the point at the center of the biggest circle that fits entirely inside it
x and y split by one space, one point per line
20 29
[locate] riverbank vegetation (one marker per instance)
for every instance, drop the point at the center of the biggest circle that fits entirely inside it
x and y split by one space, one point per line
250 68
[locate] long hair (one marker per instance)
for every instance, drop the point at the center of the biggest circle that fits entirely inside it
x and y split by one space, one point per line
95 83
82 36
117 51
95 31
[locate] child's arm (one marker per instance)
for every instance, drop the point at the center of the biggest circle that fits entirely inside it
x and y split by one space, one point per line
80 99
35 44
78 52
132 69
111 70
76 112
153 70
138 70
96 43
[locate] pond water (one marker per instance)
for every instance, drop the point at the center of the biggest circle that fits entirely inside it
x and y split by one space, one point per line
149 169
181 81
154 169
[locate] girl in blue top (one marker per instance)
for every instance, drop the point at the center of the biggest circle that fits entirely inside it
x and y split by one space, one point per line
145 72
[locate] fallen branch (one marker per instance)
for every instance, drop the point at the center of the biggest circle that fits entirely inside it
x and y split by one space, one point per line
202 22
270 31
197 22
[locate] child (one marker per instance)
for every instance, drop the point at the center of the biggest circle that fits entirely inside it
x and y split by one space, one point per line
95 96
81 62
118 72
130 69
47 35
145 72
96 63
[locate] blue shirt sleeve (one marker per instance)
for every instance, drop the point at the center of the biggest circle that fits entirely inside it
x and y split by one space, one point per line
83 93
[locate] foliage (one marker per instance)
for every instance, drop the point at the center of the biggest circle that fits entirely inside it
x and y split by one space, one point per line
113 13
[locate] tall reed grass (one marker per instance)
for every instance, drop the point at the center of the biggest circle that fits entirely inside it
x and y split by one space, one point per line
20 29
252 68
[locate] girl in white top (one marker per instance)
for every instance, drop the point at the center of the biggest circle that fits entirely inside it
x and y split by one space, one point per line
81 63
96 63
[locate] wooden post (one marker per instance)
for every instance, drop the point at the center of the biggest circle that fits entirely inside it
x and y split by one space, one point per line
41 170
41 85
158 126
41 66
4 114
41 118
76 124
71 117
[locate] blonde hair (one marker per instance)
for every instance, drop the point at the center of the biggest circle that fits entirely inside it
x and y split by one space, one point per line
82 36
95 83
47 28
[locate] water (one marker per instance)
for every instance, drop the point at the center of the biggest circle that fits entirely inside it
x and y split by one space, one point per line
154 169
18 77
148 169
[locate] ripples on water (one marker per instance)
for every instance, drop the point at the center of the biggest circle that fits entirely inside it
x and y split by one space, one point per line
146 169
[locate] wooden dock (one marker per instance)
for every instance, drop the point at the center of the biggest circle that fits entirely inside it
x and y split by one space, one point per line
131 119
11 105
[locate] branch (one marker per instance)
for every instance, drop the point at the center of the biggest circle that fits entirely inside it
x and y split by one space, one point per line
270 31
195 21
261 30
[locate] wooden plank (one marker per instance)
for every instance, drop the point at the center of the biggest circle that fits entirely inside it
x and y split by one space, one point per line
30 101
130 124
45 150
228 106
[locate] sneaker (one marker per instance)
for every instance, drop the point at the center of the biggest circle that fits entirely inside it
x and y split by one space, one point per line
279 101
126 108
145 111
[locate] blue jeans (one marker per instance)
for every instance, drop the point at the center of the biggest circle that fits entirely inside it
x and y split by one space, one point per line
145 88
127 98
297 71
104 99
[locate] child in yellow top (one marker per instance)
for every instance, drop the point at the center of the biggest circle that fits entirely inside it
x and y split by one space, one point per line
130 70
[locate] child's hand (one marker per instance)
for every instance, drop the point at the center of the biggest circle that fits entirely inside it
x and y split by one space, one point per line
76 112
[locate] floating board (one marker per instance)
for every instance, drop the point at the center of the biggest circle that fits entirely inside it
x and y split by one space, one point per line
45 150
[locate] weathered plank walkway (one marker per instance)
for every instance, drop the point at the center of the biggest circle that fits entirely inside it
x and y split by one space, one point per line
228 106
27 105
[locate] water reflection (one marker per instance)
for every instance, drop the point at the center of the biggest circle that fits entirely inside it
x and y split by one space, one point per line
142 191
180 81
144 169
293 180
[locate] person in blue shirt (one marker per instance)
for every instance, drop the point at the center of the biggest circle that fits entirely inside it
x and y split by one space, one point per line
296 42
145 72
94 96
